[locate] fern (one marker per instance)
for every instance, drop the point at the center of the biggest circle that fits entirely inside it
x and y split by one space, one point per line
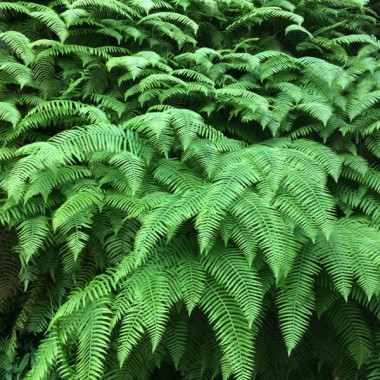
189 189
231 329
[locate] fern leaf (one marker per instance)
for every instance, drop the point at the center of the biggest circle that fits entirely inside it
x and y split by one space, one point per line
231 328
156 301
78 202
45 357
335 256
358 107
296 299
259 14
9 113
94 336
361 251
244 239
297 28
8 6
242 282
112 5
52 21
132 167
132 329
177 338
177 176
21 73
20 44
348 322
170 214
271 232
222 194
322 154
187 124
313 197
171 16
33 234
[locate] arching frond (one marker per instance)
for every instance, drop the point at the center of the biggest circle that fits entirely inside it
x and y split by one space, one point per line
33 234
296 298
20 44
243 282
270 231
93 334
231 328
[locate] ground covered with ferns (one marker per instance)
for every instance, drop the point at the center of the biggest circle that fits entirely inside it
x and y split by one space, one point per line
189 189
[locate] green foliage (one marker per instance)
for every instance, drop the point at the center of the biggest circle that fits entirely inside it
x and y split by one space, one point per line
189 189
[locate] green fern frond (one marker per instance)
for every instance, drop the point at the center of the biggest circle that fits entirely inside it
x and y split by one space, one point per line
192 280
80 201
156 303
45 358
176 176
172 16
177 333
168 215
33 234
335 256
313 196
112 5
322 154
132 167
231 329
49 18
243 283
20 44
271 232
9 113
347 321
228 187
19 72
263 13
296 298
93 336
131 330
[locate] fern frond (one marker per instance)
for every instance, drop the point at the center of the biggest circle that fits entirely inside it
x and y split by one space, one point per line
94 335
20 73
45 358
296 298
335 256
228 187
32 234
192 280
49 18
156 303
271 232
263 13
313 197
172 16
20 44
80 201
231 328
177 333
131 331
242 282
9 113
112 5
167 216
348 322
132 167
176 176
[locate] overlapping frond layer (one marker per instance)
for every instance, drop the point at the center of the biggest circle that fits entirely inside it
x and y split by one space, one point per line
189 189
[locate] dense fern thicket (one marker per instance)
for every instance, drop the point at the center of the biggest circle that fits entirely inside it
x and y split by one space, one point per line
189 189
